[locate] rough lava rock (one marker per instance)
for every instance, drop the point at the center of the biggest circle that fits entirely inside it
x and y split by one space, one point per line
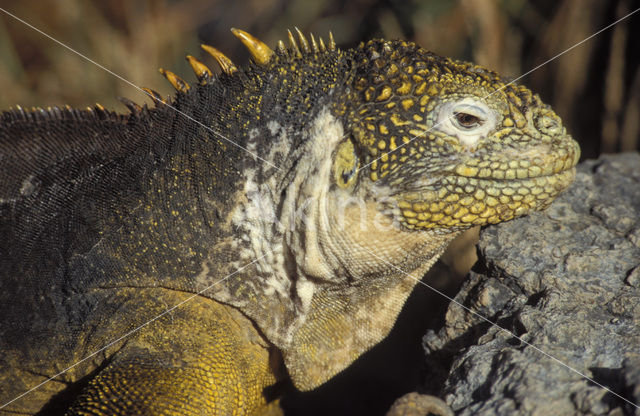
567 282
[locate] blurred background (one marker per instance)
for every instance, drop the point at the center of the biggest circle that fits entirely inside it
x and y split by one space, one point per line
594 87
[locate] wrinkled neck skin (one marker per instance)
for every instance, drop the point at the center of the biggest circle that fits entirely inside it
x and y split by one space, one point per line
329 272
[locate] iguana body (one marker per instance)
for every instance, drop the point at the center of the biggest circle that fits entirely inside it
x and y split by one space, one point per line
286 251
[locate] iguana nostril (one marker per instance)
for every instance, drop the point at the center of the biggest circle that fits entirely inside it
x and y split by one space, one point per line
547 123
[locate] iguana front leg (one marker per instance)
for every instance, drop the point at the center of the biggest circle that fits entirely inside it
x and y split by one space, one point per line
202 359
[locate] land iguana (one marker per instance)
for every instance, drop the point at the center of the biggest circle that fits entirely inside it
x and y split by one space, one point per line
268 222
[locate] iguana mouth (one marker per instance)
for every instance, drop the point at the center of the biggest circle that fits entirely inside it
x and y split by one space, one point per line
477 187
513 165
480 195
505 169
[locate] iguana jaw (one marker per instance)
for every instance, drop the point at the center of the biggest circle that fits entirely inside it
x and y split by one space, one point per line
375 263
325 253
342 236
490 186
356 263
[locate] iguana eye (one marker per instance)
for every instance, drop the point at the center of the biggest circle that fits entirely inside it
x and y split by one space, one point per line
467 121
468 116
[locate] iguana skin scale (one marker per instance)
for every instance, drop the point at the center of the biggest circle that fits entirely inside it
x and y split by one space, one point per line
110 220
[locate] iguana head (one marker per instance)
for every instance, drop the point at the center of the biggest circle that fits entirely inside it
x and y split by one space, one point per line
370 161
454 145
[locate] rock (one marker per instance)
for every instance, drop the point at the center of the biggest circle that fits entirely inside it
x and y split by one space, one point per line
565 286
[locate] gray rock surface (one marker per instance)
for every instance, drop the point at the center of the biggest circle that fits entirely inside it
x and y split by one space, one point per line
567 282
